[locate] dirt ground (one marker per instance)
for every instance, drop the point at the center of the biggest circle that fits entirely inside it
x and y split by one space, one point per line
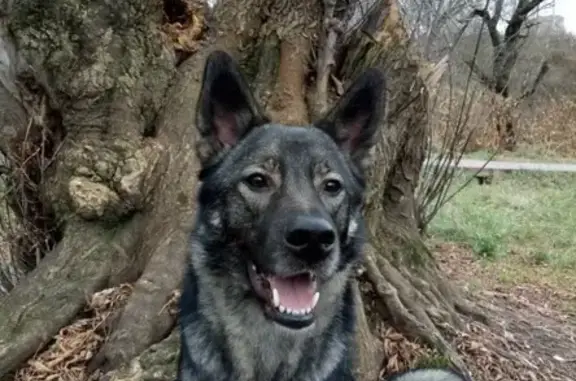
532 336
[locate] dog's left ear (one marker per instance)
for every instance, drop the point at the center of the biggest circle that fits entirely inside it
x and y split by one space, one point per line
354 121
226 110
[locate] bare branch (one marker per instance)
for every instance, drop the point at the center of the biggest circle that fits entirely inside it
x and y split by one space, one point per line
525 7
519 17
544 68
491 24
487 80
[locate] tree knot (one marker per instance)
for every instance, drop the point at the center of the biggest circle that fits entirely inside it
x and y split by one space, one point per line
116 182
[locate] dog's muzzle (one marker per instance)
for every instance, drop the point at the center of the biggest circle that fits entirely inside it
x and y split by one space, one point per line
290 299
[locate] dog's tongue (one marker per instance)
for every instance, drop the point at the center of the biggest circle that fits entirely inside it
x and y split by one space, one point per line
296 292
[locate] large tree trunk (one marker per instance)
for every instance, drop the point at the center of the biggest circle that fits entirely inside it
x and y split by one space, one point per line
121 184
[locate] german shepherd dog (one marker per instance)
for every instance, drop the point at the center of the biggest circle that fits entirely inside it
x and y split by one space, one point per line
267 294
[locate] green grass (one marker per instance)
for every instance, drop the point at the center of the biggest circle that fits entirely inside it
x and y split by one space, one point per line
433 361
529 215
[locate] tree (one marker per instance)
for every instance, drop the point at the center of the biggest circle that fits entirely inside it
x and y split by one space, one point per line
435 24
506 48
106 111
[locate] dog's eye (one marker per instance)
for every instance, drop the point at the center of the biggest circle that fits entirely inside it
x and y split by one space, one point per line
332 186
257 181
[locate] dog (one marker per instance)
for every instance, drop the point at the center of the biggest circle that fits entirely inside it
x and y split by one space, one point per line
268 292
428 374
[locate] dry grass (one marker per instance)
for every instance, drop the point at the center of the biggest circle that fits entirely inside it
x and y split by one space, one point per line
545 129
548 129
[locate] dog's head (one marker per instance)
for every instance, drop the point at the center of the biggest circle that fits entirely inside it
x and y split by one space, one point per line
280 206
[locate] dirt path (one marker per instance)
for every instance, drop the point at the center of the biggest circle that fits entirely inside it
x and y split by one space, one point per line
509 165
532 337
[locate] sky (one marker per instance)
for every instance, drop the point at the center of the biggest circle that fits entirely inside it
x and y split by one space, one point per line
567 9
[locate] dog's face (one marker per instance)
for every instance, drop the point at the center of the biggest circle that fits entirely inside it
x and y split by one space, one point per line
281 205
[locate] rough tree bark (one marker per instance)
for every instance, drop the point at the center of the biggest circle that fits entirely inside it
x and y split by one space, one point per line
122 183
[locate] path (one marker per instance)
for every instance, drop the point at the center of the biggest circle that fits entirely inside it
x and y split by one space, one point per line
501 165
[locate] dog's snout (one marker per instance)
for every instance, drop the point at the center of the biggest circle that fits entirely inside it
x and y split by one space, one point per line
312 237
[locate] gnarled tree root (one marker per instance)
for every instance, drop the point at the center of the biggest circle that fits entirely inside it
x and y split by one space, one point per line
157 363
145 320
80 265
370 350
416 304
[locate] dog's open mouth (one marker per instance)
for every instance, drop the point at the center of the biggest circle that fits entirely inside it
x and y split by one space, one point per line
289 300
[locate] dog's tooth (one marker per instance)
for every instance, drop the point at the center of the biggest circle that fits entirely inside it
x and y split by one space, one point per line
289 310
315 299
275 297
308 310
303 311
282 308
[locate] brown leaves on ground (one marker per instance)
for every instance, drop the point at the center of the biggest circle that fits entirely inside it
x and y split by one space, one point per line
184 24
66 358
399 353
531 338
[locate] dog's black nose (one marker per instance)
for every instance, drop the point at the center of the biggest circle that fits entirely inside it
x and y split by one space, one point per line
312 238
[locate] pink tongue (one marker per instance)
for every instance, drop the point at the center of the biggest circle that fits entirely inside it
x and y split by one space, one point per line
295 292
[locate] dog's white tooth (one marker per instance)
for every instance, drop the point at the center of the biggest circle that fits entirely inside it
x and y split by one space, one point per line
275 298
282 308
303 312
315 299
308 310
289 310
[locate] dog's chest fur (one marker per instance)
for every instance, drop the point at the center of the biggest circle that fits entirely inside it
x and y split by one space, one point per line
234 341
267 357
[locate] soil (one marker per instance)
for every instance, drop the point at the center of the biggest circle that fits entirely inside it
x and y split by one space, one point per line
532 336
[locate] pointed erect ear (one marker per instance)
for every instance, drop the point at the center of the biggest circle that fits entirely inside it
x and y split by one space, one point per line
226 108
354 121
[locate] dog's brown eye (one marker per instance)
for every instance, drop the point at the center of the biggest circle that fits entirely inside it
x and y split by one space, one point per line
257 181
332 186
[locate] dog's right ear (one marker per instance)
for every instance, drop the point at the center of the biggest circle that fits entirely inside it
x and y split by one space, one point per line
355 119
226 108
